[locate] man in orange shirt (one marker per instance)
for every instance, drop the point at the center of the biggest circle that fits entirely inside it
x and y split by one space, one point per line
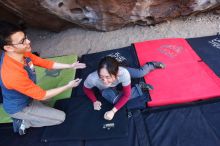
21 95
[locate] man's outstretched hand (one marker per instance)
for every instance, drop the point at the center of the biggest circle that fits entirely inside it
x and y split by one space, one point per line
74 83
78 65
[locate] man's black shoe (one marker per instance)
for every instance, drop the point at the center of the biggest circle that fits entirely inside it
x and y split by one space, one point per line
18 126
22 129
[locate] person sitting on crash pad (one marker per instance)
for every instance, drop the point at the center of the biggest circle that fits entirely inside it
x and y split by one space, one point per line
21 95
108 75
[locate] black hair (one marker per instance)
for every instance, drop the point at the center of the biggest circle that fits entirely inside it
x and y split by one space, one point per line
111 65
6 30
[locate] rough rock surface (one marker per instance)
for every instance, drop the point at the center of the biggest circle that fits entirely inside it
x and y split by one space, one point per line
104 15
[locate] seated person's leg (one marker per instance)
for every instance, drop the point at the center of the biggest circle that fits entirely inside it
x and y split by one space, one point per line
157 65
145 69
111 95
140 89
136 92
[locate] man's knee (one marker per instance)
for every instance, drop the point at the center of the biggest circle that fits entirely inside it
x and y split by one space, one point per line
62 117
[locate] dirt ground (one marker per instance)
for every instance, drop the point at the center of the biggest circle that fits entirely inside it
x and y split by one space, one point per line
80 41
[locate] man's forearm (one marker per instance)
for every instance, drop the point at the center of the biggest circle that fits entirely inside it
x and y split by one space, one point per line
61 66
53 92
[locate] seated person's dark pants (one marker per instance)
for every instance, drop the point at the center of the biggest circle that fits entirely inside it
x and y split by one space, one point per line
112 95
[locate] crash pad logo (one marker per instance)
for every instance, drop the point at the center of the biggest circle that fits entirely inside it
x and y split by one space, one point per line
108 126
215 43
170 50
118 57
52 73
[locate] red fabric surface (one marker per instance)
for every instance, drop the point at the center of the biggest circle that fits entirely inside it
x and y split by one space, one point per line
186 78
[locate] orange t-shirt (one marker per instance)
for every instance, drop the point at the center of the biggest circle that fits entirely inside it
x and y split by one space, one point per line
15 77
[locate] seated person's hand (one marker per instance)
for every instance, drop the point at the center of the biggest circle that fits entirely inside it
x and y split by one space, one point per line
74 83
97 105
109 115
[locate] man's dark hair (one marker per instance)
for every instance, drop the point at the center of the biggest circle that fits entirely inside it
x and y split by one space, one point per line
6 30
111 65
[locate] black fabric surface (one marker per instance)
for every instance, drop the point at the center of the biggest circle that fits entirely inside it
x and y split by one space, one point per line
32 138
137 135
83 122
191 126
208 48
67 143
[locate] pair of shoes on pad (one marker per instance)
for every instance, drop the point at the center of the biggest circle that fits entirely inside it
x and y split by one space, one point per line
157 65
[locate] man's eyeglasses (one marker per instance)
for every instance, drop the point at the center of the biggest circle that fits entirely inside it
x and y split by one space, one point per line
21 41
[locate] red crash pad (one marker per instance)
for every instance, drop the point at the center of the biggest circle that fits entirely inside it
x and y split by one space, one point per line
185 79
